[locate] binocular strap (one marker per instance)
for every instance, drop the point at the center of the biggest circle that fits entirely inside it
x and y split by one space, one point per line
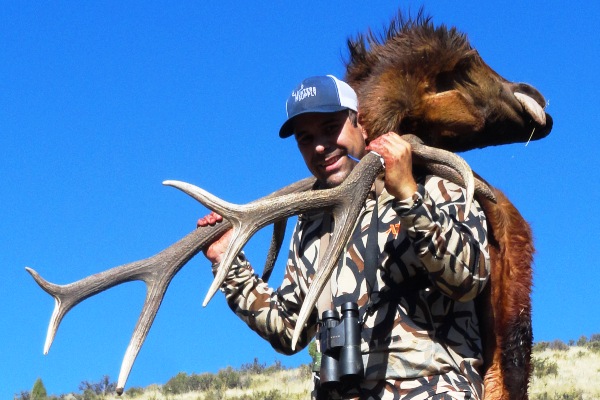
371 258
325 301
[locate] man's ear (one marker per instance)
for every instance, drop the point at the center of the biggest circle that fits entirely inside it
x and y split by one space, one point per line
359 122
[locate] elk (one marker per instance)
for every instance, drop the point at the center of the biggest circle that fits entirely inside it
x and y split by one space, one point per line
429 85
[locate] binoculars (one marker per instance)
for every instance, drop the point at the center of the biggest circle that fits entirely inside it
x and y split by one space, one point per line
341 360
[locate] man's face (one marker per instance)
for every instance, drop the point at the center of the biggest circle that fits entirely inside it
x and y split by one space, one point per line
325 141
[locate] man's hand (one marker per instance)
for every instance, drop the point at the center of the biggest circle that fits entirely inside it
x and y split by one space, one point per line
214 251
211 219
397 154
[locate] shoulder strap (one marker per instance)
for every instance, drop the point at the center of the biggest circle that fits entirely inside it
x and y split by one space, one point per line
372 254
325 302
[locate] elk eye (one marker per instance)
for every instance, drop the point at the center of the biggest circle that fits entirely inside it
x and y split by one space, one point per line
444 82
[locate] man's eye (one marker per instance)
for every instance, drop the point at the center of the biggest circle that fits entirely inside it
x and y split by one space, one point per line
333 128
303 139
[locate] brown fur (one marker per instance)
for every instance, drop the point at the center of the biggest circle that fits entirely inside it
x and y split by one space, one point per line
430 82
505 306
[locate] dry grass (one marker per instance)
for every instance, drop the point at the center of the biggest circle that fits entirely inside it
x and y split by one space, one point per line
572 374
577 375
289 383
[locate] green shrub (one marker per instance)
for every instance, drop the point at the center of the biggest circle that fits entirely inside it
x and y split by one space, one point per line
97 390
574 394
254 368
214 394
582 341
176 385
202 382
184 383
305 371
271 395
24 395
543 367
134 392
540 346
39 390
559 345
230 379
593 346
313 353
180 383
276 367
556 344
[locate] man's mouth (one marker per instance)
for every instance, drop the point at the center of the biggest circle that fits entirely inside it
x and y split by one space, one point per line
330 163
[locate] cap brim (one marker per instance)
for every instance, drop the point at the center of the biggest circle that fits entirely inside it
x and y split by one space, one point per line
287 129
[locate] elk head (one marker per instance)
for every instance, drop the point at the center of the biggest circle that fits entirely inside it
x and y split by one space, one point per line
430 82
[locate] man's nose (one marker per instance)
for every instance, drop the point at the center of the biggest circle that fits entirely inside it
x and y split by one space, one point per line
322 143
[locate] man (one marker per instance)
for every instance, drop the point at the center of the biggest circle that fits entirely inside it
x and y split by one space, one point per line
419 334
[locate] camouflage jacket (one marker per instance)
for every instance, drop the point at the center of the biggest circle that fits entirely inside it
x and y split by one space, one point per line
423 336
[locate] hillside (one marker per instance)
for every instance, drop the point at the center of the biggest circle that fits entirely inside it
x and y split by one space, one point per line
573 373
293 384
560 372
569 374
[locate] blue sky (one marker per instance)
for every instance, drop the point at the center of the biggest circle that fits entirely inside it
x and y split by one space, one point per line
102 101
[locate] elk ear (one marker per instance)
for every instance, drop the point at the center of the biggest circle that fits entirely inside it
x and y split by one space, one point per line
453 112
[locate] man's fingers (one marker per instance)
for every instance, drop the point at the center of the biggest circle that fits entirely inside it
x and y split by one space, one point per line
210 219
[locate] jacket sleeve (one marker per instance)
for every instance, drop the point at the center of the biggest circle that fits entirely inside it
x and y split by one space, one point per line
272 313
451 244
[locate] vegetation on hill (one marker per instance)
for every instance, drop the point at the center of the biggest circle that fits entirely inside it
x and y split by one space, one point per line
566 371
252 381
561 371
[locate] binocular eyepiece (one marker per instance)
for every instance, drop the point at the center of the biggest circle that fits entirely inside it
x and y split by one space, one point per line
341 358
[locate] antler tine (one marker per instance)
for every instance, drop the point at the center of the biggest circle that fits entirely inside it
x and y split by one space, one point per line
61 306
236 215
424 154
482 188
351 195
274 247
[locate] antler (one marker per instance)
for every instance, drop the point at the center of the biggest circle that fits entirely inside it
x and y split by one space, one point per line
344 202
157 272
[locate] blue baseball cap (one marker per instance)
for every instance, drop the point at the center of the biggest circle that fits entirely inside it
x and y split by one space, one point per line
324 94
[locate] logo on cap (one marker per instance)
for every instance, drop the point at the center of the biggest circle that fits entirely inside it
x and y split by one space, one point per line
303 93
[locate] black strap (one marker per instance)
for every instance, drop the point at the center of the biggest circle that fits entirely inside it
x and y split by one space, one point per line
371 261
